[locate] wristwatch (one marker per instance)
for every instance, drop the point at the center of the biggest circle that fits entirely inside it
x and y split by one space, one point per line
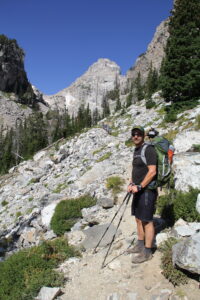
139 187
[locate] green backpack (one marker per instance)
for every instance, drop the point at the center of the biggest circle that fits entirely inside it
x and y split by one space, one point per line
161 145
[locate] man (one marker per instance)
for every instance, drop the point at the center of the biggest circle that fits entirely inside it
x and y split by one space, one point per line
143 205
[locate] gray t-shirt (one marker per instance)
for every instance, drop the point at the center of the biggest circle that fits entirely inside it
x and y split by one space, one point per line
140 170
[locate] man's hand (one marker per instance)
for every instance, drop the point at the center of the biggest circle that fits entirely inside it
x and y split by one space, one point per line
132 188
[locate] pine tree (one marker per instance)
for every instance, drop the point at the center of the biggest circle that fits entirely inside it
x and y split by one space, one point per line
129 99
139 89
180 70
118 104
106 108
151 82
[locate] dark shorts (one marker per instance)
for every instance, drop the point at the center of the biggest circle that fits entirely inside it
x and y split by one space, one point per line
143 205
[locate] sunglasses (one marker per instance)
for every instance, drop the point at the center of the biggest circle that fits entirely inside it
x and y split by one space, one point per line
136 134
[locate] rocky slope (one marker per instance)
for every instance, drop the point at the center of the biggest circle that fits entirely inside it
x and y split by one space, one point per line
73 167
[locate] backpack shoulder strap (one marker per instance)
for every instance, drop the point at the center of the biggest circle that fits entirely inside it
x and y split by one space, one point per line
143 157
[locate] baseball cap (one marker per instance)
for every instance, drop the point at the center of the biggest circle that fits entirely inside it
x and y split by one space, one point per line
139 128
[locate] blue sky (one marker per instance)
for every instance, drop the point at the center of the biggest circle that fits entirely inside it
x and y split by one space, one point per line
62 38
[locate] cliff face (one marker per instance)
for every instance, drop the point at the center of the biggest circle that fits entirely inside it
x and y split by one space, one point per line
153 55
13 78
15 89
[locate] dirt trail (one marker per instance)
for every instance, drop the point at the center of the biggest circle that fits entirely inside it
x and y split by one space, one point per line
88 281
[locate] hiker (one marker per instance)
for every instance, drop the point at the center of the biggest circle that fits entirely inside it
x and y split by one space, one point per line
144 199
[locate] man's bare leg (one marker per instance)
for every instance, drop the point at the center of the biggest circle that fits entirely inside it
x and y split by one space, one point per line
149 232
140 229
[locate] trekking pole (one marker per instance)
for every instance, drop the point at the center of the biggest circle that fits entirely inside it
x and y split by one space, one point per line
128 198
110 223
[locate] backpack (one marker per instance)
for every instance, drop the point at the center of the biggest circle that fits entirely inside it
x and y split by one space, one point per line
162 146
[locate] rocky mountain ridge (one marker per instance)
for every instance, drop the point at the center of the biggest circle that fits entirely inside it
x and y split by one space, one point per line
73 167
103 77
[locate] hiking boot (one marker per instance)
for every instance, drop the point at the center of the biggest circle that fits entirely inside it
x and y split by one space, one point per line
141 257
136 249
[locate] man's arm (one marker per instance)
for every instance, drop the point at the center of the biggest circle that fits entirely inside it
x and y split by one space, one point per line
149 176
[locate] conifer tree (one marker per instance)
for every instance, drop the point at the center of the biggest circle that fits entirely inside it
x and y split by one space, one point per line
180 71
151 82
106 108
139 87
118 104
129 99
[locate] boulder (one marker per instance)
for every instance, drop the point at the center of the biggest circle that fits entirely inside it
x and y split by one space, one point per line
185 254
105 202
47 213
186 230
90 214
94 234
47 293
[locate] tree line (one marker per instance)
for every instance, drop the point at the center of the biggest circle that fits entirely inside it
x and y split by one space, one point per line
39 131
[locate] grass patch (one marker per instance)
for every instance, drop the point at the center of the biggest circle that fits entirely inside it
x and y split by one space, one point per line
174 275
171 135
98 150
115 133
177 205
33 180
25 272
4 203
104 157
60 187
115 184
30 199
68 212
18 214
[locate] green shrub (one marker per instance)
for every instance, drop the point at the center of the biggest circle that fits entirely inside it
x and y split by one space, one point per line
170 117
4 203
104 157
25 272
115 184
177 205
150 104
196 147
67 213
174 275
